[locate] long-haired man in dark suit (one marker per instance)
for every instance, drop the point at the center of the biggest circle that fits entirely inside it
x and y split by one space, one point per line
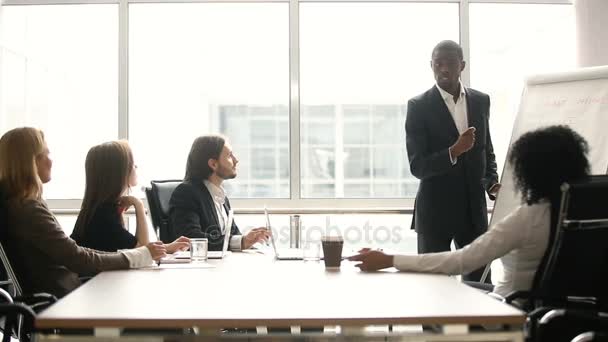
199 207
450 150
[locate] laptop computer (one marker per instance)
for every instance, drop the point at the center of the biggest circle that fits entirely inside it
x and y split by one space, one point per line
284 253
185 255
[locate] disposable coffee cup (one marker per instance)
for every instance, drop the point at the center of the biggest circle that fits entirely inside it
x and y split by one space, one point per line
332 250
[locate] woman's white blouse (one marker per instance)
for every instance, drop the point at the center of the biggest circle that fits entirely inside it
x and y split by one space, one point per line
519 240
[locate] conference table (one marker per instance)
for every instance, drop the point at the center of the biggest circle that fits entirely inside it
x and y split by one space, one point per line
251 289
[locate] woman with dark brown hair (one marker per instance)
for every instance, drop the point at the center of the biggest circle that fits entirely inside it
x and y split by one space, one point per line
110 174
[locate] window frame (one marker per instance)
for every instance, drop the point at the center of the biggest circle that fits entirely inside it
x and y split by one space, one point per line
295 201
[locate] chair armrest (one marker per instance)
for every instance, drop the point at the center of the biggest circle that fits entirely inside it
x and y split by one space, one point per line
575 301
518 295
588 336
590 302
591 336
37 301
17 308
84 279
538 313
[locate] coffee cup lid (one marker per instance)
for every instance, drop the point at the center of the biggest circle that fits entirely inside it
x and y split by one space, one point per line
332 238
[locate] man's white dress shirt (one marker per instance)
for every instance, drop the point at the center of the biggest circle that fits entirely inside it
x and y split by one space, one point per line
457 109
219 198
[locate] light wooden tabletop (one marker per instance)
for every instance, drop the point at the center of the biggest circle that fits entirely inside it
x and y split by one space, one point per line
248 290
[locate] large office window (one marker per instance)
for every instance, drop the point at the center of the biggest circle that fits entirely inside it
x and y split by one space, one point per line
211 67
59 72
504 52
360 62
247 69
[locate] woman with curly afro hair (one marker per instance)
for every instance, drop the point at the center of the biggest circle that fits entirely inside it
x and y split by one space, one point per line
542 161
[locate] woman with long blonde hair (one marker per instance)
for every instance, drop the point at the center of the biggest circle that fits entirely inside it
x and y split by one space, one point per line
110 174
44 258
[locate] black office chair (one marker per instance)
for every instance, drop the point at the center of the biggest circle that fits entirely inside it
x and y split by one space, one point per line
19 312
574 272
158 195
563 325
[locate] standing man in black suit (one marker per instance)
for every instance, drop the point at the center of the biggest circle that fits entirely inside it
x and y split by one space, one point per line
199 207
450 150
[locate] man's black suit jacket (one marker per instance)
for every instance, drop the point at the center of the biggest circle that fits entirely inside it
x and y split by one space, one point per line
450 198
192 214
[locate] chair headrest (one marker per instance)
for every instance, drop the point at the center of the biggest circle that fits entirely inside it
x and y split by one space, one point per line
587 198
163 191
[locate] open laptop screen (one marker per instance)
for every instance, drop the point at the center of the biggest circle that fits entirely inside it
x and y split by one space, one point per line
274 247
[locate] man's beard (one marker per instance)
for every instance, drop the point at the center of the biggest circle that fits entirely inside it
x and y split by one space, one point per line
226 174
